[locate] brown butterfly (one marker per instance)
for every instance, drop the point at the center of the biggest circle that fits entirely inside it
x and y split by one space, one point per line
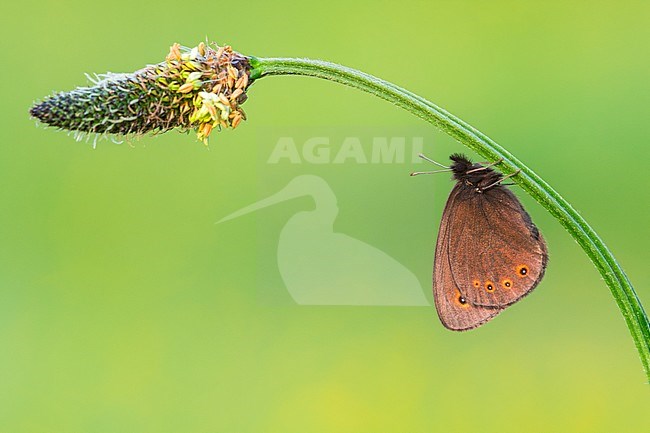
489 253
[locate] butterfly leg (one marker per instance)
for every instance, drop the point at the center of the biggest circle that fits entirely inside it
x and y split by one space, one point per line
484 167
498 182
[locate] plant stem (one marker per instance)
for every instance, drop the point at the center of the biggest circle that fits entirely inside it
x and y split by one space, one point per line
620 286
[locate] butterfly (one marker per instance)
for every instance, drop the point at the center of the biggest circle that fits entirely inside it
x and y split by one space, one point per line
489 254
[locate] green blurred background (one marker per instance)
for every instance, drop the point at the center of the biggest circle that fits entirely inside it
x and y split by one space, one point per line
124 308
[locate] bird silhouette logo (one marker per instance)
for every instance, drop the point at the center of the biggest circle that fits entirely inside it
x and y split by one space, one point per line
322 267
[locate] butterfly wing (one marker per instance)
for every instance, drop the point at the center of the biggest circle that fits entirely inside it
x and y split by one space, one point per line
455 311
496 253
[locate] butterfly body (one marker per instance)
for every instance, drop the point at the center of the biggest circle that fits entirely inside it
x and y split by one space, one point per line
489 254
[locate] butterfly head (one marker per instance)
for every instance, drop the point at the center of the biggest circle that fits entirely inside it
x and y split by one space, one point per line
472 174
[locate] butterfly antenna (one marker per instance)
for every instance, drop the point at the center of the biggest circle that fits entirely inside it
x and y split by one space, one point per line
423 156
417 173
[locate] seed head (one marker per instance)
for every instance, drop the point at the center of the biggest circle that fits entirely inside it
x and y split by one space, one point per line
201 88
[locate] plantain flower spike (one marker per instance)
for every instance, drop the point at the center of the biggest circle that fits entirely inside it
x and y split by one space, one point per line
198 89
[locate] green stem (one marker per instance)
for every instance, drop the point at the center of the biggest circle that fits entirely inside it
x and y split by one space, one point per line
620 286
